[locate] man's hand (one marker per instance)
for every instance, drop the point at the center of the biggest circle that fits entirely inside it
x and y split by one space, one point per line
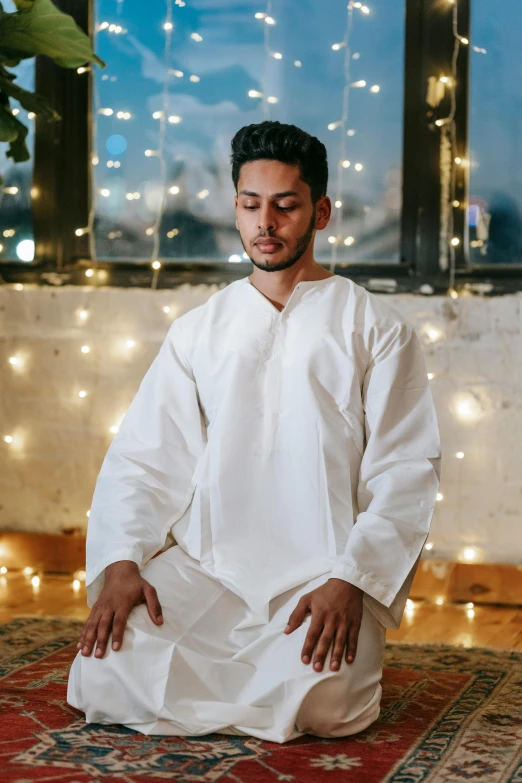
124 588
336 609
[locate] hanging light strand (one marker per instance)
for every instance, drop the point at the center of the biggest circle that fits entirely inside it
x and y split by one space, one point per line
161 144
343 130
266 103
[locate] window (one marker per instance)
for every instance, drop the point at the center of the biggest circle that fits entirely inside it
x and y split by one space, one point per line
178 87
495 203
16 228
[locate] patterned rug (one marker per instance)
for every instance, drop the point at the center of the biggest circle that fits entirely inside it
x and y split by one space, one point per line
449 714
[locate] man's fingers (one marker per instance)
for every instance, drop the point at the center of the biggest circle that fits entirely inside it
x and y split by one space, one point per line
89 635
352 641
314 632
323 645
104 629
118 627
153 604
298 615
341 634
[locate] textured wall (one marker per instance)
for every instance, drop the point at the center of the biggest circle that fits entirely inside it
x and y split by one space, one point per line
473 346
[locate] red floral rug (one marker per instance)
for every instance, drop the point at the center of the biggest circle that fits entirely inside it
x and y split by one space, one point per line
449 714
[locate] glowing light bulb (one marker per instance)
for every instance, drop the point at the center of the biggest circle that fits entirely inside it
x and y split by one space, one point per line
14 360
459 455
375 88
85 349
83 314
468 408
346 164
76 584
130 343
156 265
410 604
332 240
434 334
89 273
79 232
358 167
431 376
174 190
168 26
272 99
255 94
277 55
469 553
35 581
439 601
338 204
429 546
3 570
269 20
82 394
114 428
28 571
174 119
88 513
8 438
349 241
470 605
440 496
166 309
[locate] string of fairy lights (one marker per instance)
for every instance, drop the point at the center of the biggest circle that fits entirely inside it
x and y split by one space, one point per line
465 406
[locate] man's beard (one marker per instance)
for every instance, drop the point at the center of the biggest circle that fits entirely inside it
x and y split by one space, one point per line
302 245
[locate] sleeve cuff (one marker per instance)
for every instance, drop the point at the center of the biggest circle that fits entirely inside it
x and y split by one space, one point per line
365 582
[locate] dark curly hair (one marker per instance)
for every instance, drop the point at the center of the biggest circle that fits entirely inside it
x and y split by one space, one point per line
273 140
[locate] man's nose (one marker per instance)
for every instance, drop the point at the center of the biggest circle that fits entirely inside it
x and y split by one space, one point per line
266 219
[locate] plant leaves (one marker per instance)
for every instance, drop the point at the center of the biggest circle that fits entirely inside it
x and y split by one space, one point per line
39 27
18 148
14 132
31 101
8 128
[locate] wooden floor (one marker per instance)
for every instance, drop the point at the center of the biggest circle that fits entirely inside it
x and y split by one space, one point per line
426 622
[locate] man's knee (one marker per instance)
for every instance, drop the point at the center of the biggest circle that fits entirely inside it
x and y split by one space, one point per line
330 710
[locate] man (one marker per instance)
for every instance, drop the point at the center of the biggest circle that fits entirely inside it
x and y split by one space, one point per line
285 437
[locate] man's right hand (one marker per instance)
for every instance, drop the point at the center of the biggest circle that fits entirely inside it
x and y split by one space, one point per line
124 588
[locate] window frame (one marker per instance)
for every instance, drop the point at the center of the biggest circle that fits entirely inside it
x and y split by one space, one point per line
63 151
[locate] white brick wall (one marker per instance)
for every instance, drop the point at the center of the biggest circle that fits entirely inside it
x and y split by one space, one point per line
47 473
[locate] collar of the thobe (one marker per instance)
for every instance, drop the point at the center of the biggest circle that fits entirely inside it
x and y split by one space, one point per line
301 287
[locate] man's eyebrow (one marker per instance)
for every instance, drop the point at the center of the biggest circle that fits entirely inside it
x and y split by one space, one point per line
274 195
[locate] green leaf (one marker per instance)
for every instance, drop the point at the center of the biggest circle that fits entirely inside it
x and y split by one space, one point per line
8 127
31 101
39 27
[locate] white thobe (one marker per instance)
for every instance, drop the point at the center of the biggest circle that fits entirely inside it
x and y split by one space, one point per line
278 449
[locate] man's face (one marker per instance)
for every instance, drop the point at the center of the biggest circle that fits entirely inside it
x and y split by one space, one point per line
275 215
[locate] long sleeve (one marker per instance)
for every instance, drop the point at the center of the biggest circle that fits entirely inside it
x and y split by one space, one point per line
147 478
399 475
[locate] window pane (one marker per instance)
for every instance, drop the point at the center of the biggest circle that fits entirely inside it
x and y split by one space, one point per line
16 228
189 194
495 211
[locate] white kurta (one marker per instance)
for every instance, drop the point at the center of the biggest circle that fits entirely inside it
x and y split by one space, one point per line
277 448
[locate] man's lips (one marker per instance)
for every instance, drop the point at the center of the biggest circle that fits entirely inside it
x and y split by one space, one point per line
268 244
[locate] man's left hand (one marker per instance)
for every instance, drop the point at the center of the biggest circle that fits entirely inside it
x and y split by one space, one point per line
336 609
